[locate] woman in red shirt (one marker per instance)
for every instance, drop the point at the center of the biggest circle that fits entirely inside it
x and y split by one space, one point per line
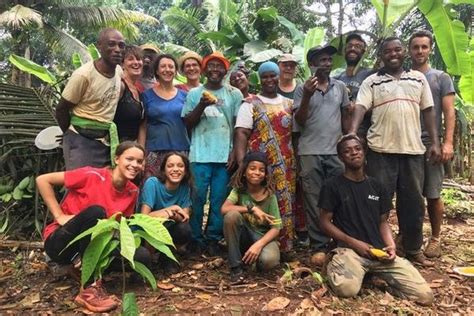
92 194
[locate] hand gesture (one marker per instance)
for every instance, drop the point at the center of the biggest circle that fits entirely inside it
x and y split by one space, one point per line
310 86
262 216
251 255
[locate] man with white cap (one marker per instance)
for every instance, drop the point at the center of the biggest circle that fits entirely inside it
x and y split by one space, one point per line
321 106
287 85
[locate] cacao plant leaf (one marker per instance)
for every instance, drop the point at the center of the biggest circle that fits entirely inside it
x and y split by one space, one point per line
101 226
127 241
145 273
158 245
130 307
153 226
92 254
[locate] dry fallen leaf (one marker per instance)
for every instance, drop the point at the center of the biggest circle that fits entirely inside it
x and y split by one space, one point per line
176 290
204 297
276 304
63 288
294 264
387 298
197 266
31 299
165 286
307 304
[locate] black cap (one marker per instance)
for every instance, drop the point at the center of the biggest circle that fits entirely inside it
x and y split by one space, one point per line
256 156
318 50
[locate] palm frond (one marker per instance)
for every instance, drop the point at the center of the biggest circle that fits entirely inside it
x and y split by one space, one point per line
20 16
185 24
24 113
99 16
68 43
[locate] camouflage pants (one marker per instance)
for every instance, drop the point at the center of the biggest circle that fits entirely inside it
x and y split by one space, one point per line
346 271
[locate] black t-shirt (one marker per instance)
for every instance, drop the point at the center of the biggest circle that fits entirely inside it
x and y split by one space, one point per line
356 207
128 116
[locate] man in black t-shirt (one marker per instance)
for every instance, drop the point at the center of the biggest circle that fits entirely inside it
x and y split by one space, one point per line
354 212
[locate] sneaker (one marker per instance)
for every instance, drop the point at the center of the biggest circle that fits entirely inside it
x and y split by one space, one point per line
96 299
420 259
236 275
213 249
433 249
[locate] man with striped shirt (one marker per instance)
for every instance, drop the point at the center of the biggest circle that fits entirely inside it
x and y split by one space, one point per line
396 152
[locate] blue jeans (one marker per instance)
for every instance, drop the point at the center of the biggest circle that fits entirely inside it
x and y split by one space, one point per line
215 178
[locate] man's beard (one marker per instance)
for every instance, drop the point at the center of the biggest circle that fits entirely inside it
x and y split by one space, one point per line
352 62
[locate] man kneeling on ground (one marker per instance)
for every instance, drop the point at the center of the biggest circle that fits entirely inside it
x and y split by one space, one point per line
354 212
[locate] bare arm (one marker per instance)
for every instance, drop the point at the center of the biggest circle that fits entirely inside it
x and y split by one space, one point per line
362 248
449 123
241 137
346 118
45 184
302 112
386 234
357 117
433 153
62 113
142 133
230 206
173 212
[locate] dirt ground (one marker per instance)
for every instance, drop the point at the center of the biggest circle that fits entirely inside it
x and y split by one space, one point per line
28 287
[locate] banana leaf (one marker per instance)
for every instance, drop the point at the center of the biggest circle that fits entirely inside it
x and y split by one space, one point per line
452 40
466 83
314 37
33 68
395 9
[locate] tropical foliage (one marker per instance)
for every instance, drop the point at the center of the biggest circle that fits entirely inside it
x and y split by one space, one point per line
126 235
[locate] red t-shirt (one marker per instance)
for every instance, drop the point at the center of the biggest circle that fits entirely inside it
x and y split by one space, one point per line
92 186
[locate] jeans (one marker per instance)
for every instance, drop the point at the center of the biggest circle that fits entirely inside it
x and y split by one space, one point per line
212 177
404 175
239 237
315 169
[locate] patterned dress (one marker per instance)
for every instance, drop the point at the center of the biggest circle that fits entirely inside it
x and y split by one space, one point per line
271 134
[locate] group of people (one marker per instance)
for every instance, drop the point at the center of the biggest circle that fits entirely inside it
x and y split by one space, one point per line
274 167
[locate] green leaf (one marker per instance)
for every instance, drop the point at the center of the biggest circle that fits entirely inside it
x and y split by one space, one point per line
158 245
314 37
452 40
18 194
109 248
395 9
33 68
101 226
24 183
296 35
6 197
127 241
102 266
145 273
268 14
5 223
76 60
254 47
265 55
153 226
92 255
466 83
130 307
93 51
317 277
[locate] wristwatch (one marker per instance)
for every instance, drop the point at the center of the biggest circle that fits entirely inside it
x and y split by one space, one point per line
250 207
